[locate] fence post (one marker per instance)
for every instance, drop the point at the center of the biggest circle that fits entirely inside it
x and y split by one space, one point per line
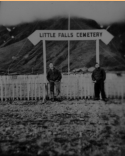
39 86
85 87
5 89
88 86
122 89
21 89
25 86
106 88
67 84
74 86
35 86
1 89
9 80
81 84
16 90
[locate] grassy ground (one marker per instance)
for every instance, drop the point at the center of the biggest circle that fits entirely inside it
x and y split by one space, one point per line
67 128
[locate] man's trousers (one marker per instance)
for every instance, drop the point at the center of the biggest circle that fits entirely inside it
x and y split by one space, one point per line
53 86
99 88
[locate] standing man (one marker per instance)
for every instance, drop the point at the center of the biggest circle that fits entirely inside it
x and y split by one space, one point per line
54 77
98 77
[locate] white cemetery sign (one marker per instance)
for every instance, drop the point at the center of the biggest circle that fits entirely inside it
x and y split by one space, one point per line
73 35
58 35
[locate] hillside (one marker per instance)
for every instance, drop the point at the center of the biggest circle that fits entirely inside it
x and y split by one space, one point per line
18 55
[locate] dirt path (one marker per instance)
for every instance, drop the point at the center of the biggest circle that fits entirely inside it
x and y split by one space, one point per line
74 128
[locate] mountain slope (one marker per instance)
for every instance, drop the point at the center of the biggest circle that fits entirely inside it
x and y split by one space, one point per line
18 55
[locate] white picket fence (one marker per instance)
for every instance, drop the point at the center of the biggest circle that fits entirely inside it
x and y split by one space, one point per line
21 87
81 86
31 87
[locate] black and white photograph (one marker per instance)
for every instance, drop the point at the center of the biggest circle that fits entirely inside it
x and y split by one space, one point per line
62 78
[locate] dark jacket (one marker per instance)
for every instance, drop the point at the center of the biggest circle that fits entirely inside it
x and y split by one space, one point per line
54 75
98 74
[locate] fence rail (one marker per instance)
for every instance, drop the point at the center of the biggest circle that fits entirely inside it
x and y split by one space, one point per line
31 87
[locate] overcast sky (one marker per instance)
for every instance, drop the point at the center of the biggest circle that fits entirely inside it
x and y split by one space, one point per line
12 12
